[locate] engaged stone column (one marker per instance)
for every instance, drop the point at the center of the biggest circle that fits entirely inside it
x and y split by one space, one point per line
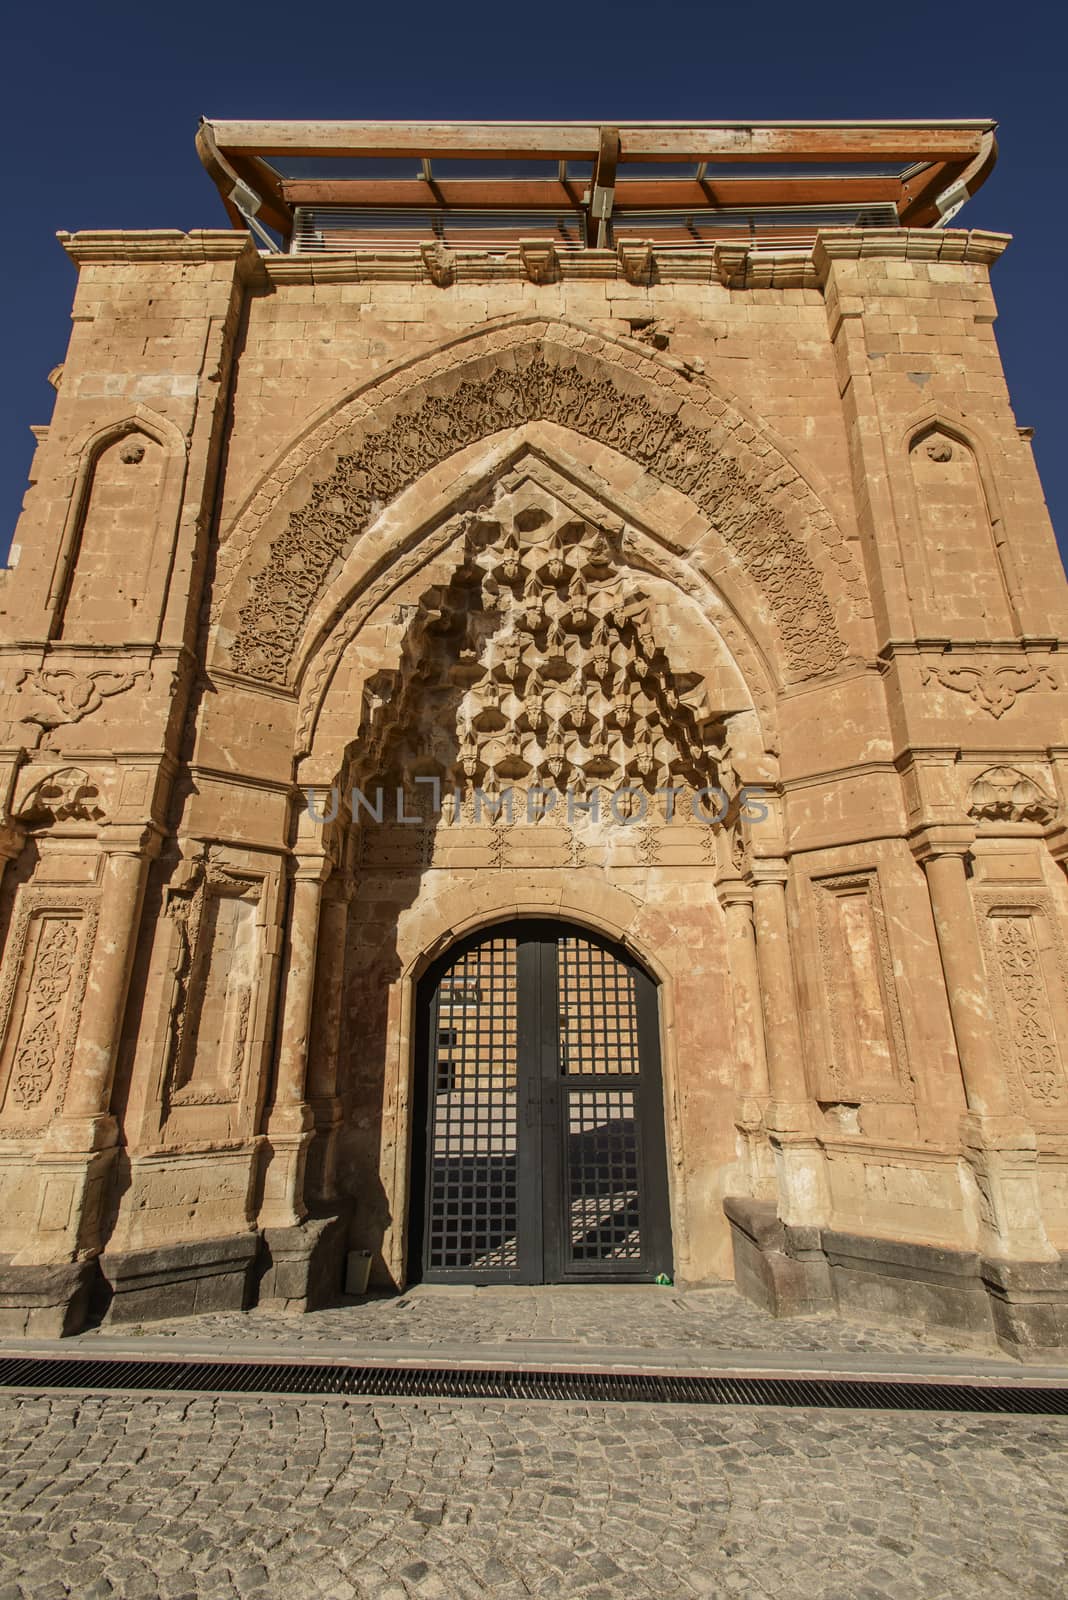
1001 1148
329 996
962 964
78 1148
87 1103
736 899
802 1181
290 1123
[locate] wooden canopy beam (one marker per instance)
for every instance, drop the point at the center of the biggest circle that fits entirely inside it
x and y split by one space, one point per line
645 194
876 141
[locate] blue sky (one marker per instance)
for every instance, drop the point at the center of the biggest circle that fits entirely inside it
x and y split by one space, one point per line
100 104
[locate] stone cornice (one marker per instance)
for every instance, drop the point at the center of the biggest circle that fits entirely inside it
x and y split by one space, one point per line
732 266
117 246
948 245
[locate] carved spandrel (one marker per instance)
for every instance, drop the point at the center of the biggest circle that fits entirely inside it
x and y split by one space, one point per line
339 508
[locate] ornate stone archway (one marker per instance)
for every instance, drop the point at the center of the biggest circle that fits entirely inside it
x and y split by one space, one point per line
318 502
520 647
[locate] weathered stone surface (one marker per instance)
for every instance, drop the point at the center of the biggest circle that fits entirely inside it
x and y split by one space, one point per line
46 1302
468 526
196 1276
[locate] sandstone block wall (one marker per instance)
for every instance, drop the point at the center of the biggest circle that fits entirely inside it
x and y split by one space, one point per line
803 547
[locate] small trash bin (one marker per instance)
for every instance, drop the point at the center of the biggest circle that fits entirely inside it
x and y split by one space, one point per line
357 1271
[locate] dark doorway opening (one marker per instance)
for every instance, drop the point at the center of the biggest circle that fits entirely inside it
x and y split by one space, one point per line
539 1152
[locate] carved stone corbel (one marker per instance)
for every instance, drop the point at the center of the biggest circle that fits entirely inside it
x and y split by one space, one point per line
636 259
539 260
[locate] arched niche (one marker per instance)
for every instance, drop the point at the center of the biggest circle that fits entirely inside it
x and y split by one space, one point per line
127 486
965 582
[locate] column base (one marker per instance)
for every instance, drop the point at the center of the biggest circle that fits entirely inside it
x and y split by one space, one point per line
178 1280
1019 1307
777 1268
1029 1304
1002 1156
303 1268
800 1164
48 1301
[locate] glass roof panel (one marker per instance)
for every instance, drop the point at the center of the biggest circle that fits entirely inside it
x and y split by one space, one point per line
324 167
805 169
449 167
656 169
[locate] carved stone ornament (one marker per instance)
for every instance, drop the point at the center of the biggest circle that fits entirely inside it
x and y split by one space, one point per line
132 452
636 259
67 795
993 688
1026 959
47 957
32 1072
940 450
74 695
537 667
694 459
440 263
1037 1054
1005 794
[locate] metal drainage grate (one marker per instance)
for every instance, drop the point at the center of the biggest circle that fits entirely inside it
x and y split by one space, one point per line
450 1383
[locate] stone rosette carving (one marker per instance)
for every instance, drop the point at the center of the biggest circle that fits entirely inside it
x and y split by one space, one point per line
994 687
1005 794
695 458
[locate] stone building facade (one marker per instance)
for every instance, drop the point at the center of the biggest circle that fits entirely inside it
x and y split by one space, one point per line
535 522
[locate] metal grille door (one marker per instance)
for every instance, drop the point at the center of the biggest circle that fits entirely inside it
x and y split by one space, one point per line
473 1208
540 1144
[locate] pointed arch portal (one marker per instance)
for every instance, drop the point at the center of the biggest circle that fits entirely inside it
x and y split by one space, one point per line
539 1150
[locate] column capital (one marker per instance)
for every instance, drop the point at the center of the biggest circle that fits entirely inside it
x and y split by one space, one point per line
143 839
941 839
735 892
311 867
339 888
769 869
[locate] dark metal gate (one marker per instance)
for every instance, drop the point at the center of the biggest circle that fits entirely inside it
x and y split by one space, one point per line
540 1124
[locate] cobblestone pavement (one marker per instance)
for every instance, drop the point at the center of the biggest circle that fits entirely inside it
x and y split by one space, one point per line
207 1499
598 1316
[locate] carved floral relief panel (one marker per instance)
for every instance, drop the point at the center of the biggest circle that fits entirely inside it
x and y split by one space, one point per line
864 1056
42 984
1029 983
